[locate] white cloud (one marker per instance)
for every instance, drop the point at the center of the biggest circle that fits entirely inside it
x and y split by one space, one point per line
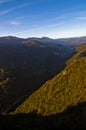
12 9
38 29
4 12
14 23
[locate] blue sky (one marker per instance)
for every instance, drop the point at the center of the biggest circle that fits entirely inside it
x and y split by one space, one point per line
38 18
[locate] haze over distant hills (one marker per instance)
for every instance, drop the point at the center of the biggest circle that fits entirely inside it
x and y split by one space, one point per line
50 75
13 39
42 64
28 63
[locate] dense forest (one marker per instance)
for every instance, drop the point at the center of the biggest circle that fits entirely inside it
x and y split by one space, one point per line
66 89
26 64
59 103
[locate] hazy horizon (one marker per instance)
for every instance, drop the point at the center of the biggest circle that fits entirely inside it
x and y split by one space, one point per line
41 37
39 18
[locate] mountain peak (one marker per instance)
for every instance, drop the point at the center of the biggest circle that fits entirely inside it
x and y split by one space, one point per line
31 42
9 37
45 37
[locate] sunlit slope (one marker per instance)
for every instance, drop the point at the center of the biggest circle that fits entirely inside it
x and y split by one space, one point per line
65 90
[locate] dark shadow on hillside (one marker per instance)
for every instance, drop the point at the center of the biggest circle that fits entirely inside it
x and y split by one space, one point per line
83 54
28 68
73 118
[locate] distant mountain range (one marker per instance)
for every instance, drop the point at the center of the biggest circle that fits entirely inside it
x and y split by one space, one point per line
48 78
66 41
28 63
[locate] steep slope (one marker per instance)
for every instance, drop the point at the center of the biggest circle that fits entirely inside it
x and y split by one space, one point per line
65 90
29 64
73 118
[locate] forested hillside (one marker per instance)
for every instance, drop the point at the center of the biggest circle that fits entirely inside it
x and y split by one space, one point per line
66 89
28 64
63 96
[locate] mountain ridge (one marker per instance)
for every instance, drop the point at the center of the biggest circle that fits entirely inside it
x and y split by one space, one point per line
64 41
60 103
28 62
61 92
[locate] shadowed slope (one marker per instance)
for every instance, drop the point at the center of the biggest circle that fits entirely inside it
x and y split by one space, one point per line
66 89
28 65
72 118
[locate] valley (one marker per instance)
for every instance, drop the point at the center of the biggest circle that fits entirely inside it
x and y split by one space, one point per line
27 64
42 64
58 99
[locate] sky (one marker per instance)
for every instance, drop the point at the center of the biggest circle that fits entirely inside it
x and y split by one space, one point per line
39 18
